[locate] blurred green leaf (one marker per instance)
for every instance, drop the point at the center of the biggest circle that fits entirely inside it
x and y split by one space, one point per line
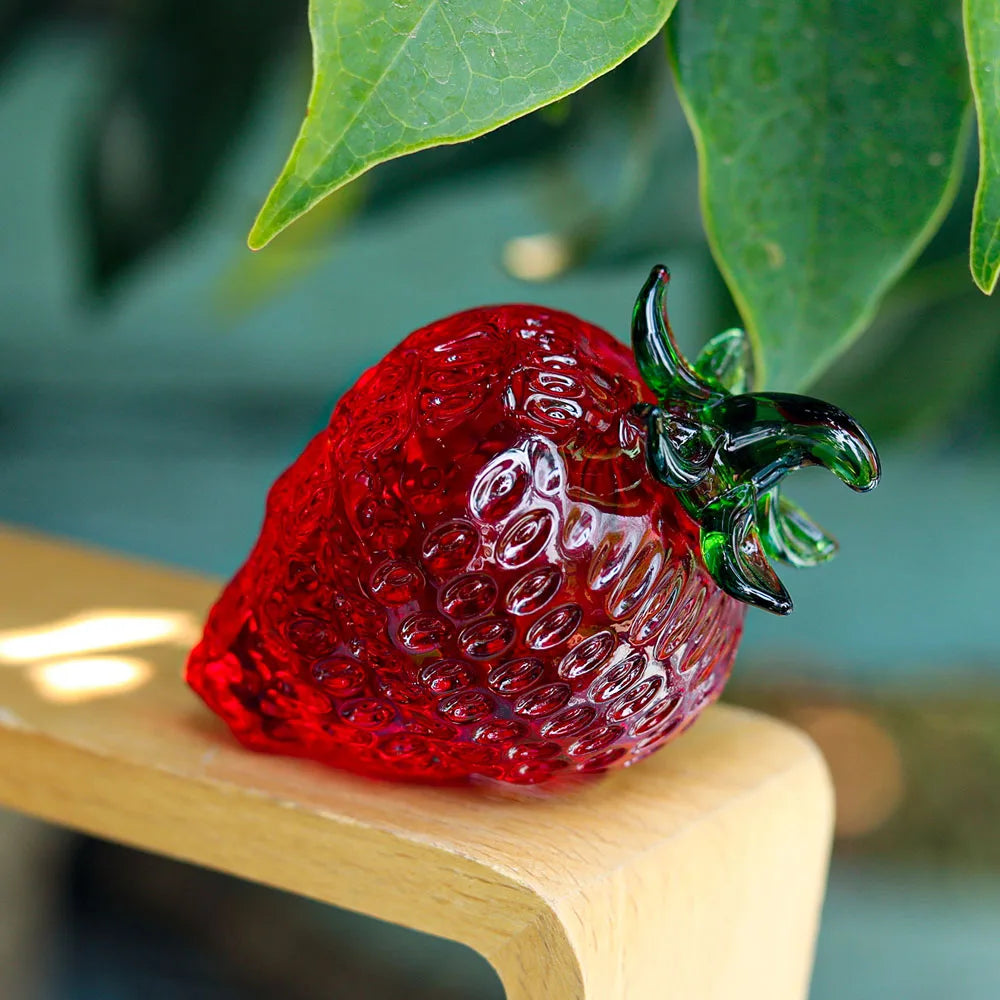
177 94
16 17
19 19
394 76
829 140
982 39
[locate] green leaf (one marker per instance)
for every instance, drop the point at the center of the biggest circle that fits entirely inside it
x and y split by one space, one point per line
791 535
982 39
394 76
829 138
726 363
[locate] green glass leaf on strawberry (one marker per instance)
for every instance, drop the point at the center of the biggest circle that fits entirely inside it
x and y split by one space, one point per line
518 554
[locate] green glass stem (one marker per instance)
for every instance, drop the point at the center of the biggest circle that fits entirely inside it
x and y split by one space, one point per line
725 449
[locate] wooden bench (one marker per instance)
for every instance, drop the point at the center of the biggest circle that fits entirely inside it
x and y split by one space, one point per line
697 875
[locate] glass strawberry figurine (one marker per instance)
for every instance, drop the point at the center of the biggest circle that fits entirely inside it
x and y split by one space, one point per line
517 553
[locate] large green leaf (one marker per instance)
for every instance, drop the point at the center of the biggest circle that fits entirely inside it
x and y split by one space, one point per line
394 76
982 36
829 139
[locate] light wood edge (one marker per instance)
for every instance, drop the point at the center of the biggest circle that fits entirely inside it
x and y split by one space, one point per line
752 868
607 940
753 873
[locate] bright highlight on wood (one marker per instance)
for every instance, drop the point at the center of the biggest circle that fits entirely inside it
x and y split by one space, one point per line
81 678
97 631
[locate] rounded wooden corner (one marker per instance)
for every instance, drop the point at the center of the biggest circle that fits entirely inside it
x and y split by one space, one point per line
698 873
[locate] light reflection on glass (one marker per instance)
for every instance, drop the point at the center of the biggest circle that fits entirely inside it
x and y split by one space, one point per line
81 678
98 630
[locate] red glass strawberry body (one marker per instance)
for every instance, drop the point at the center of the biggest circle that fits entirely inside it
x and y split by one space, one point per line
473 570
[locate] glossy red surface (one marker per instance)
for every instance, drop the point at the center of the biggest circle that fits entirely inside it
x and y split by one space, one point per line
471 571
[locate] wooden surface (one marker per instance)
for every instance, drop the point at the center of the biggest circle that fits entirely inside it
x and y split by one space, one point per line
697 875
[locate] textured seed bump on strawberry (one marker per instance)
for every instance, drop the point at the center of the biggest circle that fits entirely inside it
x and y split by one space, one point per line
512 556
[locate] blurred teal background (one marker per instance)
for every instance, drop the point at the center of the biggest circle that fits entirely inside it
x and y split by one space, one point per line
152 385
